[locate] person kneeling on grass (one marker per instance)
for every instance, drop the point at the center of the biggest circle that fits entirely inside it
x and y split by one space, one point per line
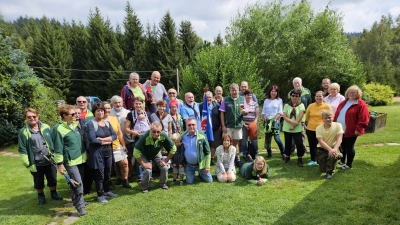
178 159
147 148
225 168
255 172
329 135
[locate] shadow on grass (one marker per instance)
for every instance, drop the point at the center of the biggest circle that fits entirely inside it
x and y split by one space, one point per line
367 194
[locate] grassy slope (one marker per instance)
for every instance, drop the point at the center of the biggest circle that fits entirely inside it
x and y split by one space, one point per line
368 194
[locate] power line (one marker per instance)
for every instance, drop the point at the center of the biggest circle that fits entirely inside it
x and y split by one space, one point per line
81 70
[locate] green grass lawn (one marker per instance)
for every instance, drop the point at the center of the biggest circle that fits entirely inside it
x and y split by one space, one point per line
367 194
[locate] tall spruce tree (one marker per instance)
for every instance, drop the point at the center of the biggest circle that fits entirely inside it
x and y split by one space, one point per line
189 40
77 37
104 57
151 48
134 41
53 51
170 50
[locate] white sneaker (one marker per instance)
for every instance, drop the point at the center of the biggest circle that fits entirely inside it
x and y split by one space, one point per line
102 200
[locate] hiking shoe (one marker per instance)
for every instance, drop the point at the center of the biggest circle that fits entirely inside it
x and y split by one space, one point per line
55 196
249 158
102 200
125 184
172 183
287 160
42 199
311 163
181 182
110 195
346 167
300 162
82 211
329 176
164 187
118 181
145 191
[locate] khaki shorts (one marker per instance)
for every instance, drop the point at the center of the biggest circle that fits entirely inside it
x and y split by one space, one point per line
119 154
235 133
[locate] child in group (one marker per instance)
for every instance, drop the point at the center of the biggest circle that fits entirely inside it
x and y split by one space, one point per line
329 136
142 123
178 160
255 172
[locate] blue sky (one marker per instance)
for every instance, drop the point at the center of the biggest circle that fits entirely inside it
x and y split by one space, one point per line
209 17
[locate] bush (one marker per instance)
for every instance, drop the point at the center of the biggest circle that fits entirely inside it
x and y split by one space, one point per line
377 94
20 88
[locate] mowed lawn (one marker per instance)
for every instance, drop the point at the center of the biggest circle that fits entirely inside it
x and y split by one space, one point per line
367 194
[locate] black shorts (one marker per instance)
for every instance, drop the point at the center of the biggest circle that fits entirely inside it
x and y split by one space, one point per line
38 177
130 147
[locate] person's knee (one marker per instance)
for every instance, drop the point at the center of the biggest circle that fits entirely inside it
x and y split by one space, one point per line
190 179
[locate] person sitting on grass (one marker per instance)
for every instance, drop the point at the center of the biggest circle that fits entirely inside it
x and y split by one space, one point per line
225 168
255 172
178 159
329 136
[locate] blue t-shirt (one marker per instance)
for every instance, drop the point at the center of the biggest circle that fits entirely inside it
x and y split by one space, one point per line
189 142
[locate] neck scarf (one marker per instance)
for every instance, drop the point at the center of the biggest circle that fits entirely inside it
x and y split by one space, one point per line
293 105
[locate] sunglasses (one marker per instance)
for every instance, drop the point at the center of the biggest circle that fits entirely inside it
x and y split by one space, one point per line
296 96
170 93
81 101
156 131
31 117
72 114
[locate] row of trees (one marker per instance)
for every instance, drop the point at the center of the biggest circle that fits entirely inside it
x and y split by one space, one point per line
379 51
104 54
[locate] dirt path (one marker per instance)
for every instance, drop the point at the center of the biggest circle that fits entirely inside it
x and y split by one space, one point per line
396 99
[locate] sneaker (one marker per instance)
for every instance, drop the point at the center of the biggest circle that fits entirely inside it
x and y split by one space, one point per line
164 187
311 163
329 176
300 162
287 160
110 195
341 163
42 199
102 200
82 211
172 183
181 182
145 191
346 167
249 158
118 181
86 203
55 196
139 181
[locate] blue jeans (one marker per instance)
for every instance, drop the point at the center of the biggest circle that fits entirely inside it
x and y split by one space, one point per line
277 138
190 171
244 145
139 169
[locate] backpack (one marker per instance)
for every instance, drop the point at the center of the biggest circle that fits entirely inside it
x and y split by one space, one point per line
85 133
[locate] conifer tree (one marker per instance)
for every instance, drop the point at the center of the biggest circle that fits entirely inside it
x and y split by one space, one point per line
189 40
53 51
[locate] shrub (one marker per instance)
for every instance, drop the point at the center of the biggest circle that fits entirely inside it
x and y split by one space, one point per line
376 94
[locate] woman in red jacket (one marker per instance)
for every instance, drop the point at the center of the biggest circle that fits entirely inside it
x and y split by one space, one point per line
353 114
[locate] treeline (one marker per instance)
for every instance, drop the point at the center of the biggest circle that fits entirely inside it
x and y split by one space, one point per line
379 51
69 54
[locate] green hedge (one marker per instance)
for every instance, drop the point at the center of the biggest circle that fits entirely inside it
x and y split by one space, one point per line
376 94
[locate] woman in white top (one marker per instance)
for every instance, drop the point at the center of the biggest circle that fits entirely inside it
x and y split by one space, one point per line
334 97
163 117
225 168
273 109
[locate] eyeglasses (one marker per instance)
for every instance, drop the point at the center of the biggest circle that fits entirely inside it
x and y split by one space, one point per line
189 125
81 101
156 131
72 114
31 117
171 93
296 96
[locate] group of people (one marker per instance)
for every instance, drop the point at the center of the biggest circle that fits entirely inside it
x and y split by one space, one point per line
146 127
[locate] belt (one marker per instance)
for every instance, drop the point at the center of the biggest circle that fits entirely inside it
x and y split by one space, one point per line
192 164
